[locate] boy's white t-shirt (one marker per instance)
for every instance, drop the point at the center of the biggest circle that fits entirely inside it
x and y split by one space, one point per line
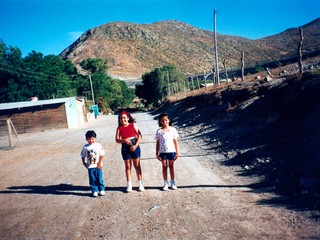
92 154
165 139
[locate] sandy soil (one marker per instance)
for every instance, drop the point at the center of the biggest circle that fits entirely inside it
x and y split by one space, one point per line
44 193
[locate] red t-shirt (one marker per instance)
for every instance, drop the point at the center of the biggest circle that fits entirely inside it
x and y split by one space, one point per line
128 131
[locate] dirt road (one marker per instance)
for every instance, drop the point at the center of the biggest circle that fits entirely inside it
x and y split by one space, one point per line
44 193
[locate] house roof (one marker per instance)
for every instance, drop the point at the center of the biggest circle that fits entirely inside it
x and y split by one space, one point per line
6 106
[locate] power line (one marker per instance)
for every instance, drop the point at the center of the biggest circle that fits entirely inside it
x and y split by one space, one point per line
27 72
32 74
12 71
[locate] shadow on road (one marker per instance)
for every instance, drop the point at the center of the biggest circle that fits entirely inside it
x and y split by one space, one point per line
59 189
68 189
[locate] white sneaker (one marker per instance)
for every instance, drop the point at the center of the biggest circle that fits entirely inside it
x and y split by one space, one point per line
95 194
165 187
141 188
129 187
174 187
102 193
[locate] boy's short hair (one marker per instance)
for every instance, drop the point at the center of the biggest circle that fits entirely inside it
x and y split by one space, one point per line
90 134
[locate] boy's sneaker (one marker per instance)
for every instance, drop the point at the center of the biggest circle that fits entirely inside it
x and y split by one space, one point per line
174 187
165 187
95 194
102 193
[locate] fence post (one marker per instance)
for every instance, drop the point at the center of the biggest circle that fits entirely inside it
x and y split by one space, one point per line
9 133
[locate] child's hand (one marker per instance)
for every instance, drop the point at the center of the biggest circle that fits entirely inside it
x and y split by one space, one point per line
158 157
99 165
128 142
133 148
86 165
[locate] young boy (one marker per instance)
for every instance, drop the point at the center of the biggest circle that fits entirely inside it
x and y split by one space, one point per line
93 152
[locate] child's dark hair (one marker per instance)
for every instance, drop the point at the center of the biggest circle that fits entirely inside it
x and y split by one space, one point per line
164 115
131 119
90 134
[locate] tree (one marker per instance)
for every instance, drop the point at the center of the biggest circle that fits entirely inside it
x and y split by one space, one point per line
3 50
157 84
52 77
35 75
94 65
11 67
49 78
111 93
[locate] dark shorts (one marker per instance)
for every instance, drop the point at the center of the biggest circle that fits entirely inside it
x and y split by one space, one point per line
127 154
167 156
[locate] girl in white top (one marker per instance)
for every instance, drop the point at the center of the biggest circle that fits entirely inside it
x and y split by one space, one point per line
167 148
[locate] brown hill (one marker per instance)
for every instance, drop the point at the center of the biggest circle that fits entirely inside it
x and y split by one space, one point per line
286 41
134 49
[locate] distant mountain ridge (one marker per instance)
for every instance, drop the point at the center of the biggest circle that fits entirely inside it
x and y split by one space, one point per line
134 49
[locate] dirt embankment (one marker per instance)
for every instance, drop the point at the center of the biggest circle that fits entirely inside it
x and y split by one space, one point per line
268 130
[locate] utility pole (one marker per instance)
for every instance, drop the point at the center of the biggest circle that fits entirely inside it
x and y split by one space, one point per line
216 48
300 53
91 90
168 82
242 65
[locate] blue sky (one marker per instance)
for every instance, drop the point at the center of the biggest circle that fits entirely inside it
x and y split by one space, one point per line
50 26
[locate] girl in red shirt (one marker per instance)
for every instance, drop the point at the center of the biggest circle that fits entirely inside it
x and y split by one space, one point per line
129 136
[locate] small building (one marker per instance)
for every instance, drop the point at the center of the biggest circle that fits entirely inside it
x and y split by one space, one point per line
35 116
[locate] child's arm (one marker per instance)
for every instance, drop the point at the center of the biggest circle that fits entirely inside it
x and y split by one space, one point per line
139 137
120 140
84 162
100 161
176 145
157 151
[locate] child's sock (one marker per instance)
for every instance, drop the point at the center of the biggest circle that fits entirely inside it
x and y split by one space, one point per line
129 186
141 187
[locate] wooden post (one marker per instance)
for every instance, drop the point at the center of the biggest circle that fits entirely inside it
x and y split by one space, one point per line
91 90
216 48
242 65
198 81
205 79
192 83
188 84
225 69
168 82
300 53
9 133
